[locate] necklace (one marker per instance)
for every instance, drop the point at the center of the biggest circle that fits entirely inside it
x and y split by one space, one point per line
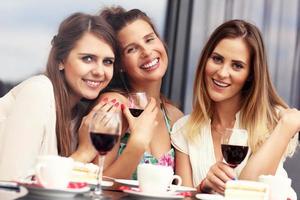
222 129
221 132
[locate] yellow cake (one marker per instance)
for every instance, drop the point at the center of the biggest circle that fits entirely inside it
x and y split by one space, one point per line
246 190
84 172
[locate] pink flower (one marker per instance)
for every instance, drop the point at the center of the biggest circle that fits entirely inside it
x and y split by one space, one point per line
166 160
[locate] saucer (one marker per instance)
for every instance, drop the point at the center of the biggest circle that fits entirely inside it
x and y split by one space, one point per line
181 188
167 195
104 184
127 182
35 189
135 183
203 196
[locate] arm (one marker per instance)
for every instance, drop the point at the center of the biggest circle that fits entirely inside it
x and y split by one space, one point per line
86 152
141 134
141 128
183 168
271 152
24 128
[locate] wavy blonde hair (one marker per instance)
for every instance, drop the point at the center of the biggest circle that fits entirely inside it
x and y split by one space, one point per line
258 113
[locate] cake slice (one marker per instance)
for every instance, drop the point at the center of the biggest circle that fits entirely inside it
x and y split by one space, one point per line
84 172
246 190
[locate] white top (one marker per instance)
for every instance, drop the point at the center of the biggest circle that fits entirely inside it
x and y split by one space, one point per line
201 150
27 127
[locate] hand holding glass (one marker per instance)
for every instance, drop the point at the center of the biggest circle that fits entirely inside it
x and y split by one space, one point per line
105 131
234 149
137 103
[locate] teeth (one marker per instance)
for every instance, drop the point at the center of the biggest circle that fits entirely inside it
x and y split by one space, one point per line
151 64
221 84
93 83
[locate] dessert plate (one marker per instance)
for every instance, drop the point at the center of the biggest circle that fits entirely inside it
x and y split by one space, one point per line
167 195
181 188
203 196
135 183
104 184
35 189
127 182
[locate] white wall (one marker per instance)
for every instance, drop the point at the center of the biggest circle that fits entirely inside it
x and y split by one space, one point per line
27 27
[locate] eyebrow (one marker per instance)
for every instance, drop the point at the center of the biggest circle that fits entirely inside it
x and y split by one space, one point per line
146 36
90 54
236 61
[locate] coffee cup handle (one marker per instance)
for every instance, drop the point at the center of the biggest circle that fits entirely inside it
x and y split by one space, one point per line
178 183
38 173
178 178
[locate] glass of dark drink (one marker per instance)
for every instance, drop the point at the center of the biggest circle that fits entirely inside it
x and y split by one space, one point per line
137 102
234 149
105 130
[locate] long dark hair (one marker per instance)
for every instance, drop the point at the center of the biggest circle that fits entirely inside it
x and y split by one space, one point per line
70 31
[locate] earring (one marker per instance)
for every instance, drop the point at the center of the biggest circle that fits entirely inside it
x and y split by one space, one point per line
61 67
122 70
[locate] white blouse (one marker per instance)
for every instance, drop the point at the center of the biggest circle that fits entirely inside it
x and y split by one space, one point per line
27 127
201 150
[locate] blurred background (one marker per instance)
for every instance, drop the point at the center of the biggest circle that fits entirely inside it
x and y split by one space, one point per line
27 27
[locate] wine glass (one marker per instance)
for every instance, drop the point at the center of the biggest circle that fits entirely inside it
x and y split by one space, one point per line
137 103
234 149
105 130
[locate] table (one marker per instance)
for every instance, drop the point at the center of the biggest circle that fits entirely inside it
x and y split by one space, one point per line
112 194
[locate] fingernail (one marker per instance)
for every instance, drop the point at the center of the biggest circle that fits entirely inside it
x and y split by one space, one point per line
113 101
116 104
122 106
105 99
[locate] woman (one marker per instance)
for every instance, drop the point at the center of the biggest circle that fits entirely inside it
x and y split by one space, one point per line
42 114
233 89
144 62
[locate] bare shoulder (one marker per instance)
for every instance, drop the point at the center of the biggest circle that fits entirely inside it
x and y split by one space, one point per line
113 95
173 112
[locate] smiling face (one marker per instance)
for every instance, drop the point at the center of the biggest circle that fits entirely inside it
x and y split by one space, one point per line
144 56
227 70
89 67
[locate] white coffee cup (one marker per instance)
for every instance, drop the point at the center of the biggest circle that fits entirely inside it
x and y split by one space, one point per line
54 171
156 178
279 186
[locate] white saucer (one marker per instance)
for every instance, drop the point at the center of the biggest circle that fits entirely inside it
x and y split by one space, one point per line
104 184
128 182
181 188
167 195
37 190
135 183
203 196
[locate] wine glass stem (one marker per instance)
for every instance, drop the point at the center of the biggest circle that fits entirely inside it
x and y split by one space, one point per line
98 190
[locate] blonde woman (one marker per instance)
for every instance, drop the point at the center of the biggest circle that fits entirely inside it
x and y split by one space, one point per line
233 89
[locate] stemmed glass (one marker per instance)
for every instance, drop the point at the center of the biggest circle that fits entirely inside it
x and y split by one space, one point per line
105 130
234 149
137 103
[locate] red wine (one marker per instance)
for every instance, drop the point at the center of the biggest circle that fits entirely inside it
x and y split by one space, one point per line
135 111
234 154
103 142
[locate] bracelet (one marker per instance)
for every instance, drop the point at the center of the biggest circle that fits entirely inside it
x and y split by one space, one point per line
201 187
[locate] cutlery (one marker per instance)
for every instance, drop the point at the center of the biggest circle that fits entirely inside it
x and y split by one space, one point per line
9 186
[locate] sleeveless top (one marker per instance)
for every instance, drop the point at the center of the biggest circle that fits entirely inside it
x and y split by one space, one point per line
166 159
